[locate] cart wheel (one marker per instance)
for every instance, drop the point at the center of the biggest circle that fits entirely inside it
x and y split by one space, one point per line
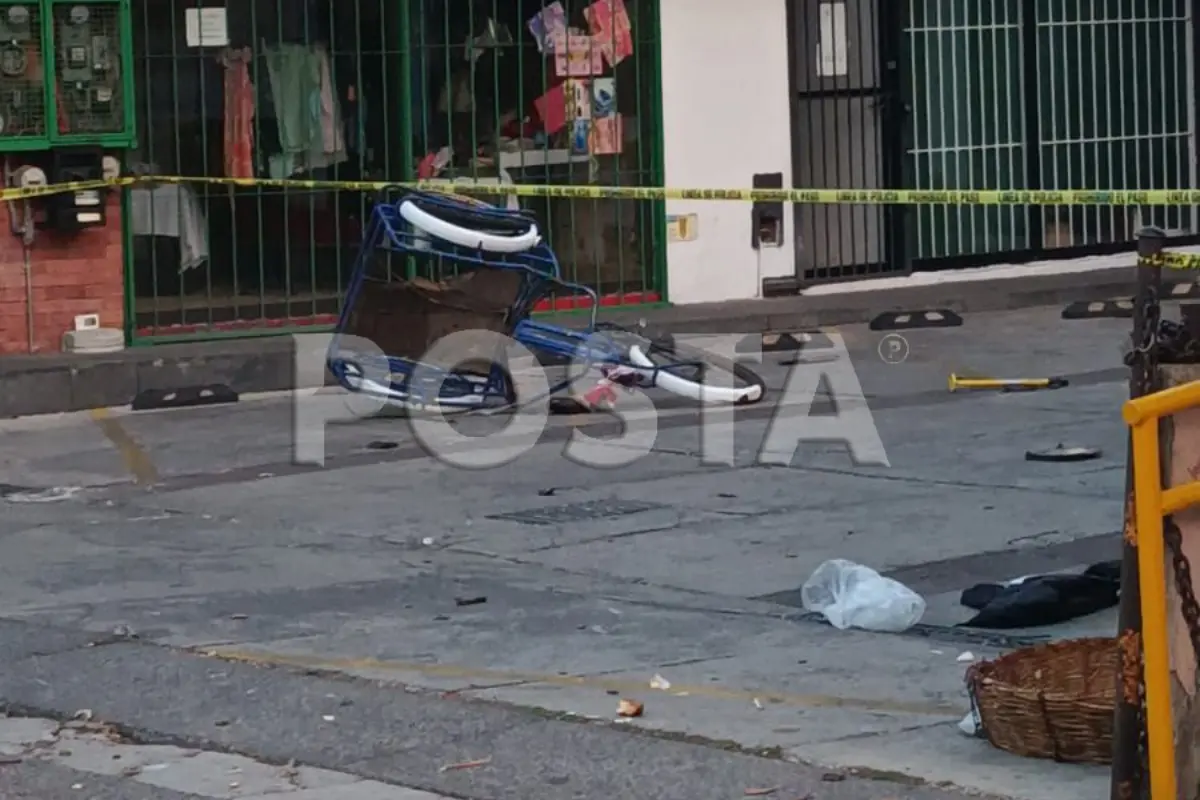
486 370
686 371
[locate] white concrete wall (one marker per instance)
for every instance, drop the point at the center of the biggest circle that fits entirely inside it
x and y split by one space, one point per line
725 118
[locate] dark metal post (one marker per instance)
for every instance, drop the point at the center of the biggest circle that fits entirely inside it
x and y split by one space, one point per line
1128 771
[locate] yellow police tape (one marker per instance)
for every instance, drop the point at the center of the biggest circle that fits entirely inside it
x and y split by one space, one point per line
487 186
1169 260
1164 260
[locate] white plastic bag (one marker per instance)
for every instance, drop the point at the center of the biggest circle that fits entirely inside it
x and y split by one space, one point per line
853 596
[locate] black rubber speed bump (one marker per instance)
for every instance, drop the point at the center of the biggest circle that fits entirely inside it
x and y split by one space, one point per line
906 320
1099 309
186 397
1181 291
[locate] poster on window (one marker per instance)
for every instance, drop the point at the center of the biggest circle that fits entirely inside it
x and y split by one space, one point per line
546 24
551 108
576 55
603 100
610 26
607 135
579 97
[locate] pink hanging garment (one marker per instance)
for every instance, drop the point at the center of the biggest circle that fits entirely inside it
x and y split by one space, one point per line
239 114
331 123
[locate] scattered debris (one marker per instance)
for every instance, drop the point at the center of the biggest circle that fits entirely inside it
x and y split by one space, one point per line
9 760
54 494
1036 600
833 777
83 715
124 632
76 786
630 708
470 601
850 595
382 445
659 682
239 616
130 772
547 492
567 406
290 772
965 657
970 725
328 717
221 723
816 358
761 792
481 762
427 541
758 704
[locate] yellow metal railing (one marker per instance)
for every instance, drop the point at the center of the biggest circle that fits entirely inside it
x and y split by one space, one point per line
1151 504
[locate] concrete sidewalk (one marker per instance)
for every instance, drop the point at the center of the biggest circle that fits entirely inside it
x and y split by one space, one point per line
42 759
60 383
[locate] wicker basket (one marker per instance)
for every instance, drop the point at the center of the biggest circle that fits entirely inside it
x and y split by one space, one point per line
1050 701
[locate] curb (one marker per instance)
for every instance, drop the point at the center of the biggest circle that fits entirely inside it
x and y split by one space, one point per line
64 383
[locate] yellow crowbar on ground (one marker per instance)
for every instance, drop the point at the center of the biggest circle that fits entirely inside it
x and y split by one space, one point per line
1006 384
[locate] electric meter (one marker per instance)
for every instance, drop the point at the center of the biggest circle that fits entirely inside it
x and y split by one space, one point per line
13 60
66 75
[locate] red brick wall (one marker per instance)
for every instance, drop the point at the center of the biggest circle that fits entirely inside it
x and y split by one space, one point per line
73 273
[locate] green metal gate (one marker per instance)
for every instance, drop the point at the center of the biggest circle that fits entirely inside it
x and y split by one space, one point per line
1047 94
386 91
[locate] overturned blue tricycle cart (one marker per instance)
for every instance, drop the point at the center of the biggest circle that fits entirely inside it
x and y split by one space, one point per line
443 340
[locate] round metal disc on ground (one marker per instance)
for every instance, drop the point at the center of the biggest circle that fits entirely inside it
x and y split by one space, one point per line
1060 454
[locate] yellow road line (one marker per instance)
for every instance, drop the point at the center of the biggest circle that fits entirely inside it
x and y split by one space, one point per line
137 461
488 677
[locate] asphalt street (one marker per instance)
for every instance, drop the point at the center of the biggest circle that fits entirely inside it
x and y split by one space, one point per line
402 623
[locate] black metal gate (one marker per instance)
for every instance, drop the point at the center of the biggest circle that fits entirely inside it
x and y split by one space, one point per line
848 120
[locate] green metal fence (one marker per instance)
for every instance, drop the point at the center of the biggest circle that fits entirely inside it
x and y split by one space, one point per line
376 90
1041 94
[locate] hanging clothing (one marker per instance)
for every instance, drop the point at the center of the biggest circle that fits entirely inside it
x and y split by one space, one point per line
306 110
174 212
239 113
332 139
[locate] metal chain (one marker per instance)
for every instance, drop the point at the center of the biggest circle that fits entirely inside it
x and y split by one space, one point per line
1189 607
1144 357
1165 341
1155 335
1176 344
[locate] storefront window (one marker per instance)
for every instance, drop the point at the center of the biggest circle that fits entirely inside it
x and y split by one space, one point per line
374 91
